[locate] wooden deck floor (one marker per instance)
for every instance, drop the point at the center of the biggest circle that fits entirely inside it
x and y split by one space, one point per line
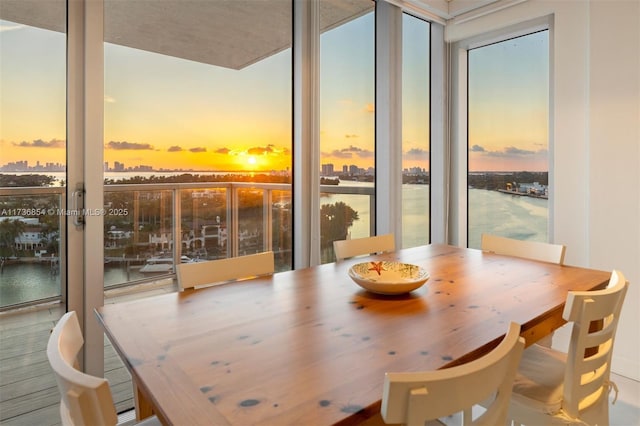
28 391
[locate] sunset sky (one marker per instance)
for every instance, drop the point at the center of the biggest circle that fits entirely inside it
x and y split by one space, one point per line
508 105
171 113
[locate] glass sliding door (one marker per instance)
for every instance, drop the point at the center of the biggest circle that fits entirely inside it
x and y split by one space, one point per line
32 159
34 149
508 128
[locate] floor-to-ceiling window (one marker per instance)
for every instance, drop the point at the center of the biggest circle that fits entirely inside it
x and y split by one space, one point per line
415 131
347 124
32 160
197 142
508 143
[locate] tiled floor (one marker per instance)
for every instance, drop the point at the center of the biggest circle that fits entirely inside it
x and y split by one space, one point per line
626 410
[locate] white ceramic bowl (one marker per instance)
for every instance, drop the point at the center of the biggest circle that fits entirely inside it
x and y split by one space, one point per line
388 277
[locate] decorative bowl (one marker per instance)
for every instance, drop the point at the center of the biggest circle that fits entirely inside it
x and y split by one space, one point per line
388 277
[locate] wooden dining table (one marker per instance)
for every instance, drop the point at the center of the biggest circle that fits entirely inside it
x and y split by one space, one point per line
311 347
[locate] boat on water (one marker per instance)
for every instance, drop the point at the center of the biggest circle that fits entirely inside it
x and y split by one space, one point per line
162 265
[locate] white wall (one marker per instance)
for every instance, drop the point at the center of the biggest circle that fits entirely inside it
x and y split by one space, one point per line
614 160
595 140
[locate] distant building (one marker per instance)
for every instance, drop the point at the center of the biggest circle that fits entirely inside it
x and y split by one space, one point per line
414 170
327 169
23 166
29 239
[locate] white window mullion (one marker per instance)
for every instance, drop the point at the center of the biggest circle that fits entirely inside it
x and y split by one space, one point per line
439 163
306 137
75 151
458 148
388 107
94 184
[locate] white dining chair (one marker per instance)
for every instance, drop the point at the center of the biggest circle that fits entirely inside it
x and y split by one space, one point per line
553 387
363 246
413 398
196 274
534 250
85 400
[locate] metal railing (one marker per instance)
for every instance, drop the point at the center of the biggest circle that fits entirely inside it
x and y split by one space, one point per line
245 227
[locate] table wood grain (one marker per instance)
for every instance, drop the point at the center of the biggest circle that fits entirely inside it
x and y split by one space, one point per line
310 347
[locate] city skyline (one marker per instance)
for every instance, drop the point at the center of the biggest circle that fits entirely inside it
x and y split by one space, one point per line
327 169
234 120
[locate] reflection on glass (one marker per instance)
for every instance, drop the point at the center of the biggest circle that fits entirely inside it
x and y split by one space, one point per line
508 139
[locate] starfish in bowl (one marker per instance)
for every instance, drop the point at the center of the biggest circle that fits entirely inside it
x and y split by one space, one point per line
377 266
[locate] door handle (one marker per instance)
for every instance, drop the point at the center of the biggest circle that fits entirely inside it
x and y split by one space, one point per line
77 205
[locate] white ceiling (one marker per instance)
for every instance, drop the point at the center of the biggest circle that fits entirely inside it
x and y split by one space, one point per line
227 33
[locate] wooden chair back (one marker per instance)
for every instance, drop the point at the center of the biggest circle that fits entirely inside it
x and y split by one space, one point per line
86 399
412 398
545 252
589 357
364 246
195 274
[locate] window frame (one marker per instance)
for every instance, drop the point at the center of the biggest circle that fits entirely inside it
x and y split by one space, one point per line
459 135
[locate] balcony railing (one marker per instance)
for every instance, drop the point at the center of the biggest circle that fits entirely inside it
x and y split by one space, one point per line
148 228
